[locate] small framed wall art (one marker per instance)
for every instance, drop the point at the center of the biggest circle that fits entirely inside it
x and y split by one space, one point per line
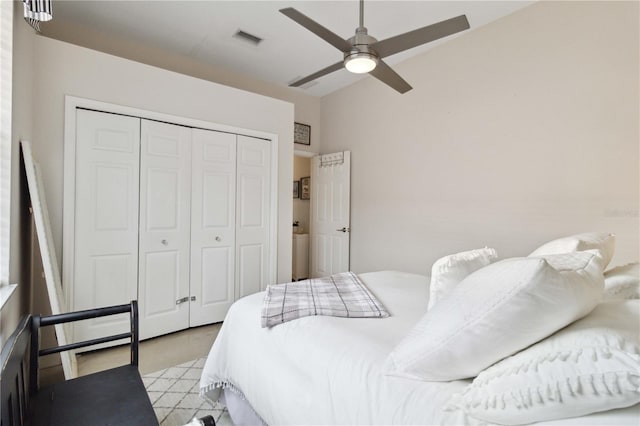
296 189
305 188
302 133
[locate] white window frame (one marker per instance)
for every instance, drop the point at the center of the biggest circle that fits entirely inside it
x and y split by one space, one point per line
6 78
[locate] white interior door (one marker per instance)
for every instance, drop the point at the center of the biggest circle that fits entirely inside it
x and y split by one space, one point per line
330 213
213 225
165 205
106 218
253 201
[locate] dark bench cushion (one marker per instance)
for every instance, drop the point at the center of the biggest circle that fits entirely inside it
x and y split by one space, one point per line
111 397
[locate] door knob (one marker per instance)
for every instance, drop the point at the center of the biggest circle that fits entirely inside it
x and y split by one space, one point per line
344 229
164 242
218 239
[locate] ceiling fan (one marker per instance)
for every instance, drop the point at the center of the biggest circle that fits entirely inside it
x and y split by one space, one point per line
363 53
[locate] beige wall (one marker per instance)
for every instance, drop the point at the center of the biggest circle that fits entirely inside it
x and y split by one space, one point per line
65 69
21 128
76 71
515 133
307 108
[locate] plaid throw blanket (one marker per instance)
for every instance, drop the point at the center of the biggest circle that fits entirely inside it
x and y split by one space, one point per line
340 295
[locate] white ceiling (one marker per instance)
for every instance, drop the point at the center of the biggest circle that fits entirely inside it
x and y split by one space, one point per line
204 29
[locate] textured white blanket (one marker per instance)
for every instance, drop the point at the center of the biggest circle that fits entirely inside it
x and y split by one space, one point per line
340 295
328 371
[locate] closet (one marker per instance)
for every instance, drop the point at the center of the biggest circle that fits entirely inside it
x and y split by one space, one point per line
174 216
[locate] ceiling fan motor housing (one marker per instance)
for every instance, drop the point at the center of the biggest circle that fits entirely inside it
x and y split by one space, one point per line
361 51
360 43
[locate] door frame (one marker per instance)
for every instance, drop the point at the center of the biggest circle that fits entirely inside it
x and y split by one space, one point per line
306 154
71 103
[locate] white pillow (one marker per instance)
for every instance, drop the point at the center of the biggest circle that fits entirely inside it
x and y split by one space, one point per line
622 282
497 311
603 242
592 365
448 271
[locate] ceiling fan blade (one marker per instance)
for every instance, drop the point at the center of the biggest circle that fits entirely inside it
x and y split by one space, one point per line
420 36
385 74
322 32
324 71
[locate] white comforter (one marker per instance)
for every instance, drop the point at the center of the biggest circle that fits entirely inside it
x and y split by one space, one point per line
325 370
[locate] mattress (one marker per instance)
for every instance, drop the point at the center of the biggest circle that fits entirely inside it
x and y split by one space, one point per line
325 370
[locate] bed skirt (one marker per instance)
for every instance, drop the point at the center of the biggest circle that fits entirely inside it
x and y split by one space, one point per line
239 409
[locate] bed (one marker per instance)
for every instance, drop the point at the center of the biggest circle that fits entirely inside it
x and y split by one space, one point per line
325 370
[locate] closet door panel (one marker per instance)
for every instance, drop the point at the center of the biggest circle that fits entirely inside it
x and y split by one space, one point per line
165 187
163 272
213 212
253 215
216 267
106 218
163 193
251 269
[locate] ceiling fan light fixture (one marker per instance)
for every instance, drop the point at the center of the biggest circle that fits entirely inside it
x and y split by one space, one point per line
360 62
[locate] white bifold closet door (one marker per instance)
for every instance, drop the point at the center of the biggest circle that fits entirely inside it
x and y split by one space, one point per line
165 228
106 218
176 217
230 221
252 218
213 230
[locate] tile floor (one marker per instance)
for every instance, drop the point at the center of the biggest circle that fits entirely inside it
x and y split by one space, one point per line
175 395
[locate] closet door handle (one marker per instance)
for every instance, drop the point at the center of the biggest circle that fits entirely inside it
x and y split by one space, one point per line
164 242
218 239
180 301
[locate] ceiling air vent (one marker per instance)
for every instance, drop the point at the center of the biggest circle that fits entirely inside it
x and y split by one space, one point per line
249 38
